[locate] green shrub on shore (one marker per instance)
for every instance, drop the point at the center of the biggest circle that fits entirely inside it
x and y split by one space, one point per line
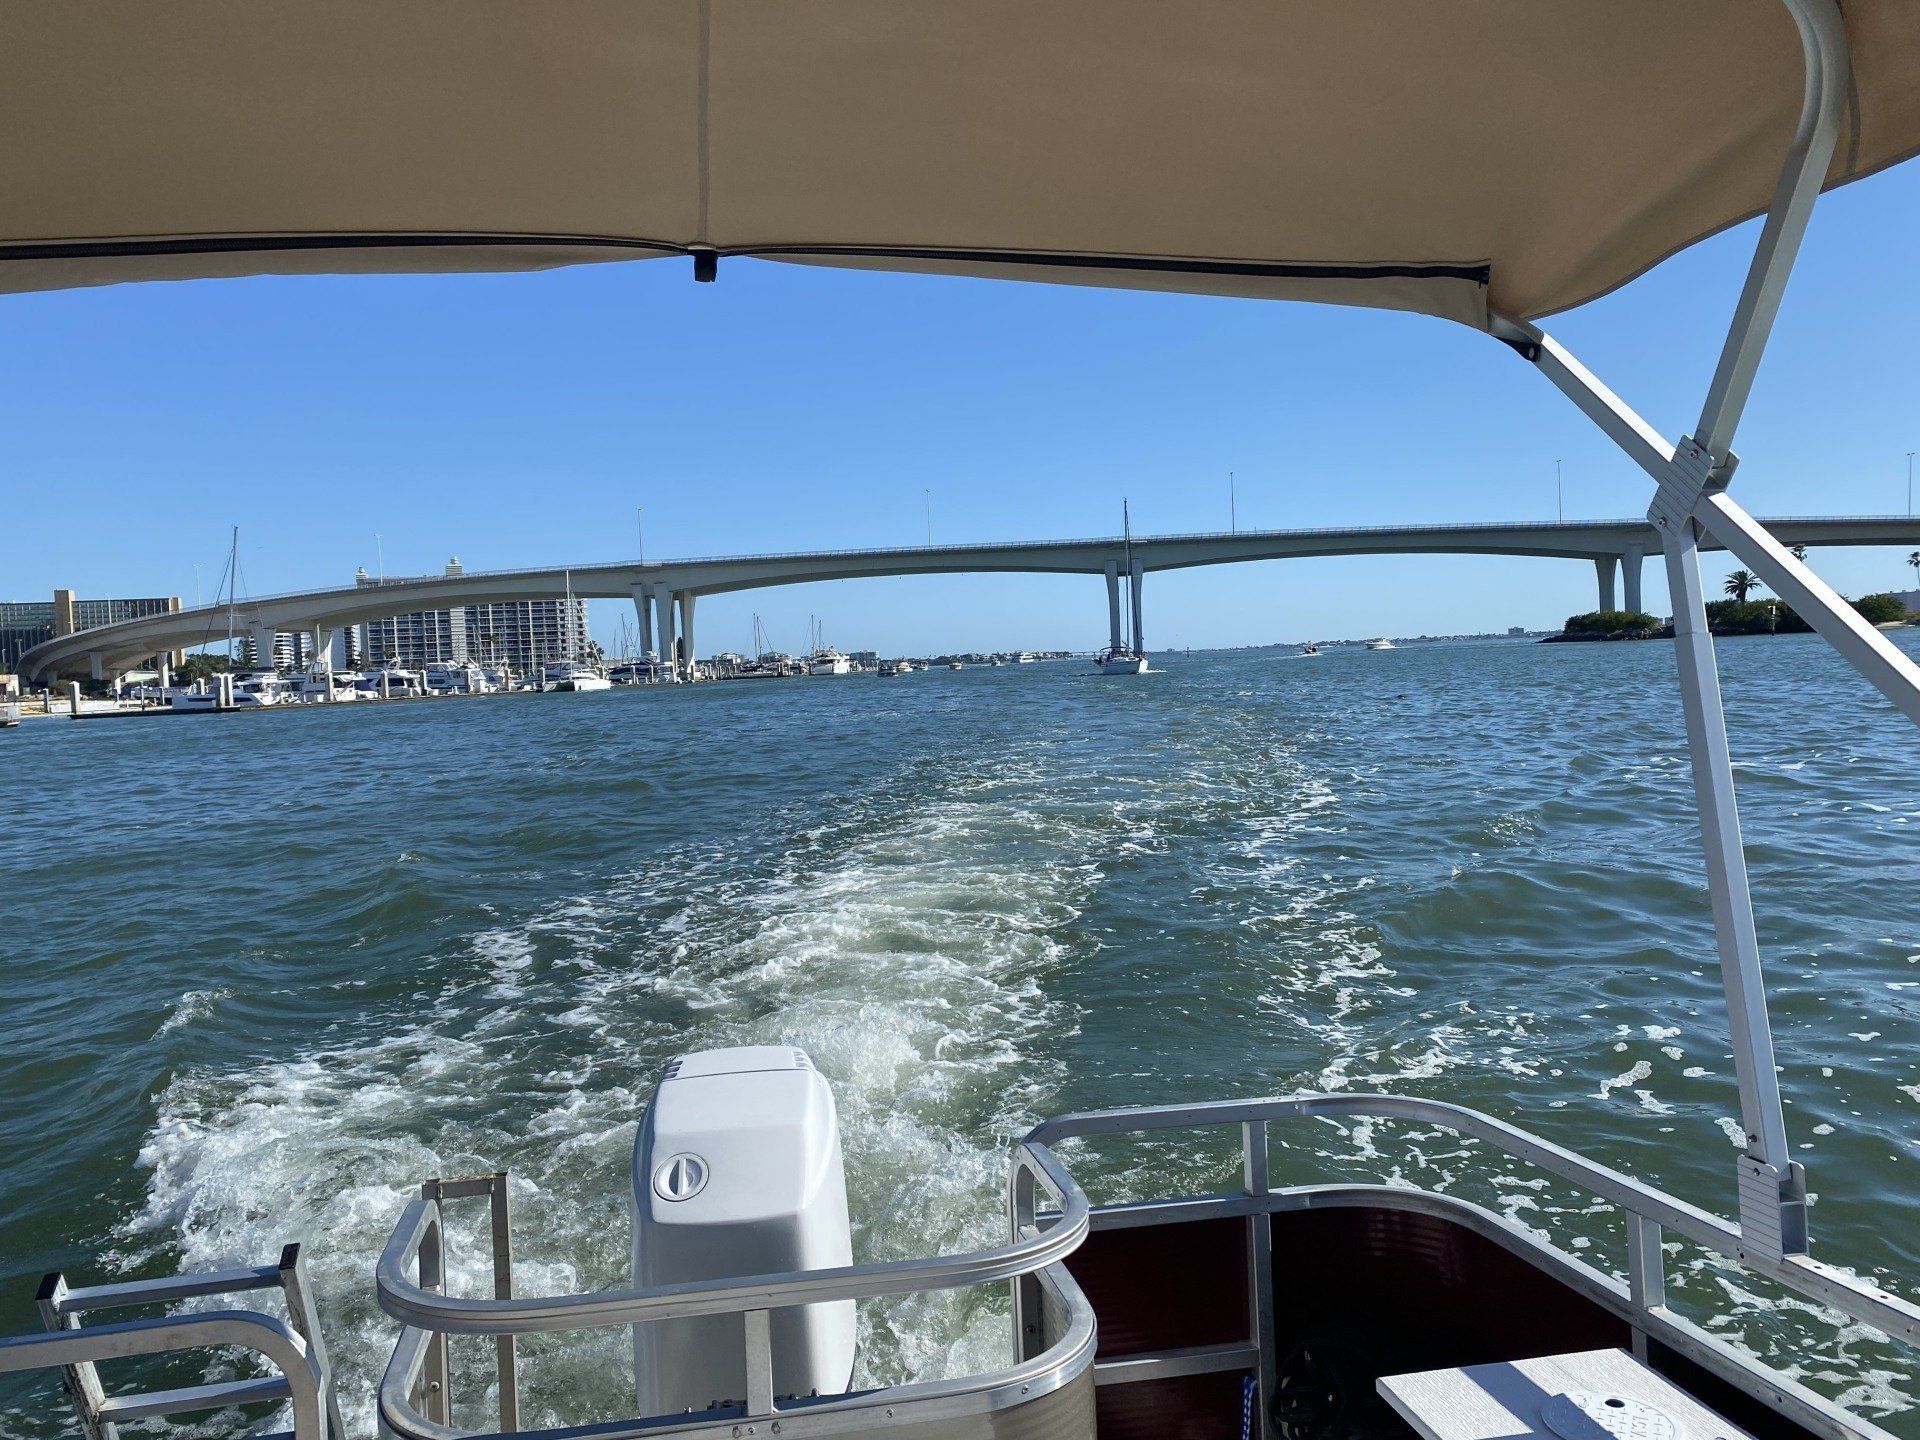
1881 609
1754 617
1612 623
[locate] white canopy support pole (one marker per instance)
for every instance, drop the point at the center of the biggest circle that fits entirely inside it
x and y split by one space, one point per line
1692 478
1726 865
1823 44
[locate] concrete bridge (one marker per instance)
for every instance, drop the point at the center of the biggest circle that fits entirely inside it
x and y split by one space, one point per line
664 593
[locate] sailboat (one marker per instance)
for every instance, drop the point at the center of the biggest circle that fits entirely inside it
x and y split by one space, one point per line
249 687
573 673
1119 659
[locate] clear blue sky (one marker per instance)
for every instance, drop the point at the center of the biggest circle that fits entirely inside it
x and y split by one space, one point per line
518 420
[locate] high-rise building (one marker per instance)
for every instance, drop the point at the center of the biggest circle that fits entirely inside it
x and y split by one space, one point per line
26 623
520 634
426 637
526 634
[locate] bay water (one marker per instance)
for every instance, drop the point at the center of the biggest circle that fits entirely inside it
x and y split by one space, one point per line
266 972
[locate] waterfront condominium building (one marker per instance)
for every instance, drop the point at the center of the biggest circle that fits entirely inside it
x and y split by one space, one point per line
526 634
426 637
26 623
520 634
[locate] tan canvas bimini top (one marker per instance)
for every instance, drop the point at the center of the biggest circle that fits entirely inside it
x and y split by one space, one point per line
1443 156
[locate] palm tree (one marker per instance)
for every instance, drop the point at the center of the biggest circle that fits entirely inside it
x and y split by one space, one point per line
1741 583
1799 551
1914 560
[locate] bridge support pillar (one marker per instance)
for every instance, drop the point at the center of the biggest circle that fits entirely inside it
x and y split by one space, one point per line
645 614
93 665
663 622
687 597
1630 564
263 647
165 665
1139 633
1604 567
1114 638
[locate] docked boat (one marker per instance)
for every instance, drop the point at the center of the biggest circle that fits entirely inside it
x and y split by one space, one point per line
250 690
9 715
391 681
647 670
468 677
258 688
886 669
322 686
1381 644
569 676
823 659
1489 165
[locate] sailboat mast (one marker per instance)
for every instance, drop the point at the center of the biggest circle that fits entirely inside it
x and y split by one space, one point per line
1126 533
233 574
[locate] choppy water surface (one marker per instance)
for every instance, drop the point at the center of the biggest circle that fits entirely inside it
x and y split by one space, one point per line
268 972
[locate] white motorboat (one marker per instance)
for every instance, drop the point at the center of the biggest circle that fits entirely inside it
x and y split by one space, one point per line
252 690
1025 657
9 715
391 681
1309 649
1328 1300
257 688
956 665
320 686
643 671
573 675
828 661
1381 644
466 677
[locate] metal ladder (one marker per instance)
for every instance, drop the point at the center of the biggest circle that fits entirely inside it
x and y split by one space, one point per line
293 1347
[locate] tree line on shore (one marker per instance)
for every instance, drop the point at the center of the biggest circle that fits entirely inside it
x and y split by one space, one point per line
1737 615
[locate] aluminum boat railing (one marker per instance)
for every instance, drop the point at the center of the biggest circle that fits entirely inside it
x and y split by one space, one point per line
292 1347
1049 1217
1649 1211
1650 1214
415 1402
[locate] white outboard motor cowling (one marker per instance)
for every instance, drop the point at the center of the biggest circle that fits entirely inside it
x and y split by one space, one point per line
737 1171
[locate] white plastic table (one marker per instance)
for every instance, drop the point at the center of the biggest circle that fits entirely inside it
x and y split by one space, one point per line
1505 1401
